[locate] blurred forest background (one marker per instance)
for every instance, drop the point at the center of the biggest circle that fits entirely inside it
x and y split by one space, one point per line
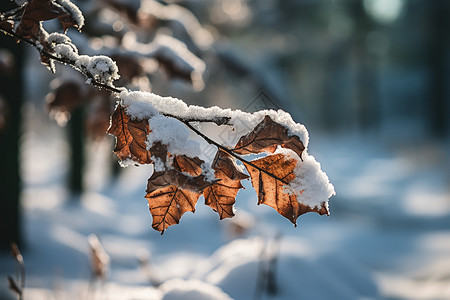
376 68
367 70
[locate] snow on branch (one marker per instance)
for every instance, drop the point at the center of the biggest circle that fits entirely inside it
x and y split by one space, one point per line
172 54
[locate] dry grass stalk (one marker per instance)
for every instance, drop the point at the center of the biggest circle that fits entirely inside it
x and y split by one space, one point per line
99 258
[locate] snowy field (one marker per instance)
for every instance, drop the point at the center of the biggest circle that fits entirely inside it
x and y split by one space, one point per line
388 236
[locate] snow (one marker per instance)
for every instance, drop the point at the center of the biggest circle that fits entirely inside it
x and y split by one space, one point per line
99 68
74 11
182 20
142 105
176 289
176 51
311 185
58 38
158 164
244 258
173 133
168 50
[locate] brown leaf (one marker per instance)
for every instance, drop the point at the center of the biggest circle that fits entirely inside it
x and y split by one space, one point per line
67 20
222 194
266 136
129 66
170 66
128 9
98 114
168 204
43 10
165 178
175 190
66 97
35 12
131 136
185 173
225 164
192 166
277 171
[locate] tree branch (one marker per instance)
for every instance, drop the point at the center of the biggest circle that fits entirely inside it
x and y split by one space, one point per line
93 81
186 121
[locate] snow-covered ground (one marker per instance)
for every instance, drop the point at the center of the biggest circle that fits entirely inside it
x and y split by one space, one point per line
388 236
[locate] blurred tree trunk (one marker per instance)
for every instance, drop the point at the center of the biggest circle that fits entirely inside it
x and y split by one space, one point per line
367 107
11 90
331 100
77 158
437 60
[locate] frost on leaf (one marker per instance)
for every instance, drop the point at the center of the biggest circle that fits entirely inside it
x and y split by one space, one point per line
266 136
278 171
131 136
221 195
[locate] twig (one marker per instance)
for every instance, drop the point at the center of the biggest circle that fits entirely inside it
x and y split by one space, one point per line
18 288
229 151
272 286
261 275
14 12
14 287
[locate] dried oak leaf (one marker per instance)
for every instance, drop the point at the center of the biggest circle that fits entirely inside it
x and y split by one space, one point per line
186 164
43 10
269 175
161 179
185 173
221 195
170 66
35 12
131 136
174 191
266 136
98 114
129 66
168 204
66 18
66 97
128 9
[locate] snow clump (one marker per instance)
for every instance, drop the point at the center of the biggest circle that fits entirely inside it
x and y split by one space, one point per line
177 289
